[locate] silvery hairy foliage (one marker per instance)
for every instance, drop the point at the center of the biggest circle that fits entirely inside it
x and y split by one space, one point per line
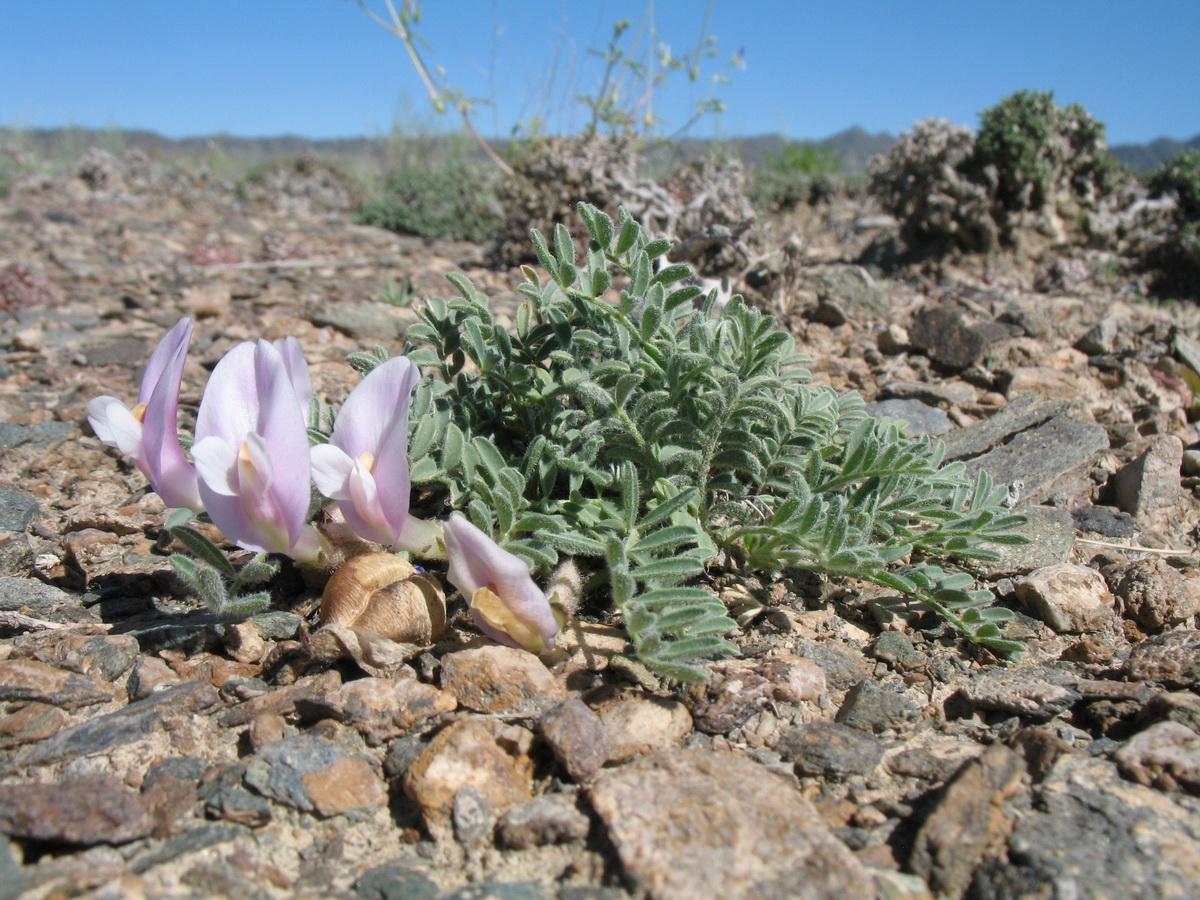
652 437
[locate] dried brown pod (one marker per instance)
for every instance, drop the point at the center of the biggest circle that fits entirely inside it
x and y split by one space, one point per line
386 594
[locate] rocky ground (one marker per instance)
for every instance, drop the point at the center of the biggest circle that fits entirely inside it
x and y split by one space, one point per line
856 749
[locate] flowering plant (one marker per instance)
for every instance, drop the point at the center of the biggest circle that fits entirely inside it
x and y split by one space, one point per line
627 421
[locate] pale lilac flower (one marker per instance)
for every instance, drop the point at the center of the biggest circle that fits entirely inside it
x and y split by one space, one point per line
149 433
251 451
364 467
506 604
297 370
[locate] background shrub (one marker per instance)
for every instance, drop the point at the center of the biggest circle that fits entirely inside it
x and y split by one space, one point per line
802 172
1178 256
452 200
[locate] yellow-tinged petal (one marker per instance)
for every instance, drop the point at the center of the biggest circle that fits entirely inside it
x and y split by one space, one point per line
495 612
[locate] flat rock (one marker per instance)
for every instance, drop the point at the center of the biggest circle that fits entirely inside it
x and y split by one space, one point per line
1153 593
493 761
367 321
830 749
577 737
921 418
1171 659
1069 598
28 679
637 724
31 722
396 880
549 819
135 721
946 336
95 810
1051 534
501 680
1148 488
739 688
1018 414
1166 755
316 775
868 707
1030 692
1040 456
1091 834
380 708
968 822
694 823
17 594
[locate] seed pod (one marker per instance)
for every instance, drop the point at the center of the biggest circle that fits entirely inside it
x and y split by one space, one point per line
385 594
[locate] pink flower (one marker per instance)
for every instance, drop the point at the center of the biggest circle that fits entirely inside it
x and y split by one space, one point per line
149 433
506 604
364 467
251 450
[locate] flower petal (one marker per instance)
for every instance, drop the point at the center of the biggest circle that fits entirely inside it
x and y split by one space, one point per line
116 425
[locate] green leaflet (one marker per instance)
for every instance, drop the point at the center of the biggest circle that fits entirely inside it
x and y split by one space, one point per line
649 435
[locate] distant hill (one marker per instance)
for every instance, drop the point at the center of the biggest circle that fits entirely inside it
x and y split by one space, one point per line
1144 157
854 147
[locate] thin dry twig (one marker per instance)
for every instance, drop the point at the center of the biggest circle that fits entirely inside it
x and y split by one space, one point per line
1134 547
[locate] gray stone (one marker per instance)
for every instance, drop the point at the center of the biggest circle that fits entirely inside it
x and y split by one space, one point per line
1032 692
1071 599
41 435
12 882
1017 415
396 880
577 738
1098 339
1182 707
124 726
868 707
1051 535
25 593
969 821
549 819
1149 488
920 417
693 823
1042 455
1092 836
896 648
187 842
368 321
489 890
27 679
225 798
94 810
1171 659
1104 521
315 775
16 511
1165 756
853 289
830 749
944 334
472 817
1153 593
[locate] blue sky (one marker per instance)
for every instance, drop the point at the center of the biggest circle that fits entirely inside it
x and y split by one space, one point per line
321 68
